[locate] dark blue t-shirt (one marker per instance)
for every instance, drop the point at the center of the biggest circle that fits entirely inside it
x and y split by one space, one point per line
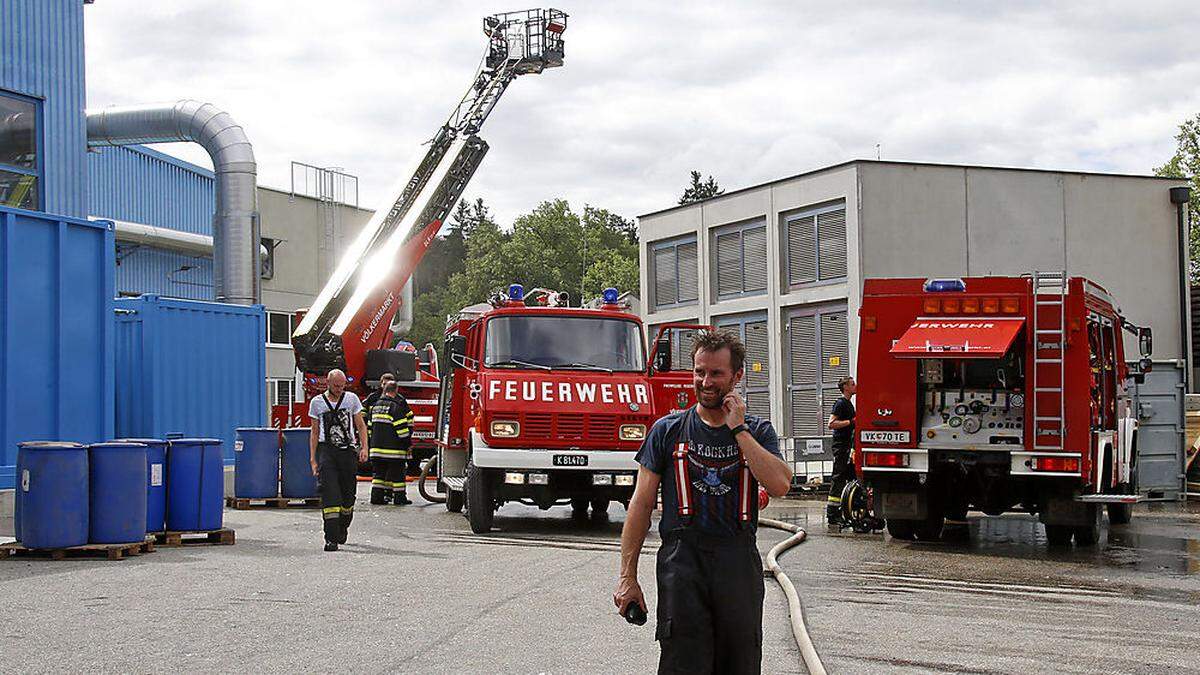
713 470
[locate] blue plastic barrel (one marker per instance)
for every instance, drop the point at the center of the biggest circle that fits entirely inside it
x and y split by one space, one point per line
156 481
298 481
256 463
52 494
117 497
195 484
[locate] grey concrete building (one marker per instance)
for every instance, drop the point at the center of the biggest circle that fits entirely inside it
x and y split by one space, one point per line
783 263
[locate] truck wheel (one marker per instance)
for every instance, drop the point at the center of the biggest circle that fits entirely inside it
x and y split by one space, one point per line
1120 514
901 529
1088 535
600 509
481 505
454 501
930 528
579 508
1058 535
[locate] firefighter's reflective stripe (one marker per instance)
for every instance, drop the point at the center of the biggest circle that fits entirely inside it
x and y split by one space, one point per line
390 453
381 417
683 486
403 425
330 512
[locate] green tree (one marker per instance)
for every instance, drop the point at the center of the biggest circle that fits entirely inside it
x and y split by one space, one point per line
700 190
1186 164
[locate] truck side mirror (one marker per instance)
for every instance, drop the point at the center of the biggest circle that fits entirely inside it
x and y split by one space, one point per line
1145 343
662 355
456 350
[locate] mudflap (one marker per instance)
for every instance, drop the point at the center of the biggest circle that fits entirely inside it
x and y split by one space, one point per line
903 504
1067 511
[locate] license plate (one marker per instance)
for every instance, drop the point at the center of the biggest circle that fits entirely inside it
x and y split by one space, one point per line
569 460
422 434
883 436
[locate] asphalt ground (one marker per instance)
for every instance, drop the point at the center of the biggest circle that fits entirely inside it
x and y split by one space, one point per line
415 590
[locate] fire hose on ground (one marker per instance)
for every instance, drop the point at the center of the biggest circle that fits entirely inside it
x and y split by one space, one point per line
812 660
808 652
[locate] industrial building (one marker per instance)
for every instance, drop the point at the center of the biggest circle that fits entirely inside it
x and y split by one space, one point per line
783 264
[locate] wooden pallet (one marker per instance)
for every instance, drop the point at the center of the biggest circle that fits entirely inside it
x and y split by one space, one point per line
221 537
108 551
242 503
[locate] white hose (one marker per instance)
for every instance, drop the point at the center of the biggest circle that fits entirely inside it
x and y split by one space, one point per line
812 660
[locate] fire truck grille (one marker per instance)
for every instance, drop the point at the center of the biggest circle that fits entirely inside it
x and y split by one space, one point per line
538 425
570 426
546 426
602 427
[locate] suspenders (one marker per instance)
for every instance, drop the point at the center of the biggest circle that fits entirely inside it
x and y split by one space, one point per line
683 486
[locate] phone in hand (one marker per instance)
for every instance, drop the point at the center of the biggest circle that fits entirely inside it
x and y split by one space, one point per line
634 614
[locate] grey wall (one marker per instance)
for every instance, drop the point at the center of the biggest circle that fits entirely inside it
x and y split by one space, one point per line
1119 231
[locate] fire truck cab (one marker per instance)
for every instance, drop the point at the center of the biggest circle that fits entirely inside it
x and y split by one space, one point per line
998 394
547 404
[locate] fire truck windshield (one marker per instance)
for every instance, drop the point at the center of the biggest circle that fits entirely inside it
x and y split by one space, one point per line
578 343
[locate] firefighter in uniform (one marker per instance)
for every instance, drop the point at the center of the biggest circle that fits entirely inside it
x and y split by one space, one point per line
390 447
337 443
709 461
374 396
841 422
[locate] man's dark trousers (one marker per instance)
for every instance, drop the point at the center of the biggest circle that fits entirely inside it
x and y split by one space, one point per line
337 481
710 599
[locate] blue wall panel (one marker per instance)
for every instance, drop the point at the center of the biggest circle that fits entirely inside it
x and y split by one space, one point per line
56 332
141 185
196 368
41 56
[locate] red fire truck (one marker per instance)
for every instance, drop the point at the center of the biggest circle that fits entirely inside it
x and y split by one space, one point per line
998 394
547 404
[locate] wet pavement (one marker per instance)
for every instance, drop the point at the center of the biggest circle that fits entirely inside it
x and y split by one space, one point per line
416 590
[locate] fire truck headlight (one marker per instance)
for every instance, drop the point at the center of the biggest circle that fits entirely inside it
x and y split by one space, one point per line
506 429
539 479
633 432
624 480
514 478
602 479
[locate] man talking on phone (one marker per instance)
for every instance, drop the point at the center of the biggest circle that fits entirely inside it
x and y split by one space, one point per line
709 461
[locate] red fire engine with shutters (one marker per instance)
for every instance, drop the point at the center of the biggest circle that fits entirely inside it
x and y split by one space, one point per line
547 404
998 394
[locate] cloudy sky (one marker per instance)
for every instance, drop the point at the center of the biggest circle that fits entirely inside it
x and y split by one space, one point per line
651 90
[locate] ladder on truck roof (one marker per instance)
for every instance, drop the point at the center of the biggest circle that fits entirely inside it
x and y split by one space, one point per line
1049 355
354 309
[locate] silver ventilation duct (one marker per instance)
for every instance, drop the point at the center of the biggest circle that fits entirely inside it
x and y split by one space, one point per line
235 223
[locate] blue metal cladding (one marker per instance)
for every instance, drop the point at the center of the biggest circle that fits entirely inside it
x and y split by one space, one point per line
41 56
188 367
145 186
141 185
56 332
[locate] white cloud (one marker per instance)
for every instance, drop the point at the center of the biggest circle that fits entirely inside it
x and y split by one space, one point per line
745 91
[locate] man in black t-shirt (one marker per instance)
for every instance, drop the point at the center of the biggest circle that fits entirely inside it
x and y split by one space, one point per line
709 460
841 421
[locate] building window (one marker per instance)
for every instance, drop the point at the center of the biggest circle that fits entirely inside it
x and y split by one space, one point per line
267 264
815 245
756 383
280 391
279 329
20 160
739 262
818 354
675 272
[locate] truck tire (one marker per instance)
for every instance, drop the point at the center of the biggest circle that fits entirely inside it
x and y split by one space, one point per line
901 529
454 501
1059 535
481 505
600 509
1088 535
1120 514
930 527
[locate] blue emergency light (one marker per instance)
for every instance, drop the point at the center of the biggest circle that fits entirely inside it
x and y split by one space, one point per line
611 296
516 292
945 286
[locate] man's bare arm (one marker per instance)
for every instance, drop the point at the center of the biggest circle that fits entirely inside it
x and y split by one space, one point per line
633 536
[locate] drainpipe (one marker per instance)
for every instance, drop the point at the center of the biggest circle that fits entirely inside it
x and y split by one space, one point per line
1179 197
236 239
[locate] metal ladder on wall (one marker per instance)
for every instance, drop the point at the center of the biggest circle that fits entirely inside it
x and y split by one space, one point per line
1049 373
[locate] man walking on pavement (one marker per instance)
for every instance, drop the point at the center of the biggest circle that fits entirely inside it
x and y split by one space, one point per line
337 443
709 461
841 422
391 440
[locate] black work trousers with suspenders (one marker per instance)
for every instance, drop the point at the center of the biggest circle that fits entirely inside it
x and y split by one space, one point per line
710 599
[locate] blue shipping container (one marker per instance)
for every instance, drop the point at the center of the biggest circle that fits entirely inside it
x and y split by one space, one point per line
56 332
189 367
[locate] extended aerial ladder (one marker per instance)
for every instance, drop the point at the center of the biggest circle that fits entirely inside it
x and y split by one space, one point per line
350 319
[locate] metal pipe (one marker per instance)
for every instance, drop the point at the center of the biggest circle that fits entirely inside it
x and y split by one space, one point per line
190 243
1180 197
236 242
